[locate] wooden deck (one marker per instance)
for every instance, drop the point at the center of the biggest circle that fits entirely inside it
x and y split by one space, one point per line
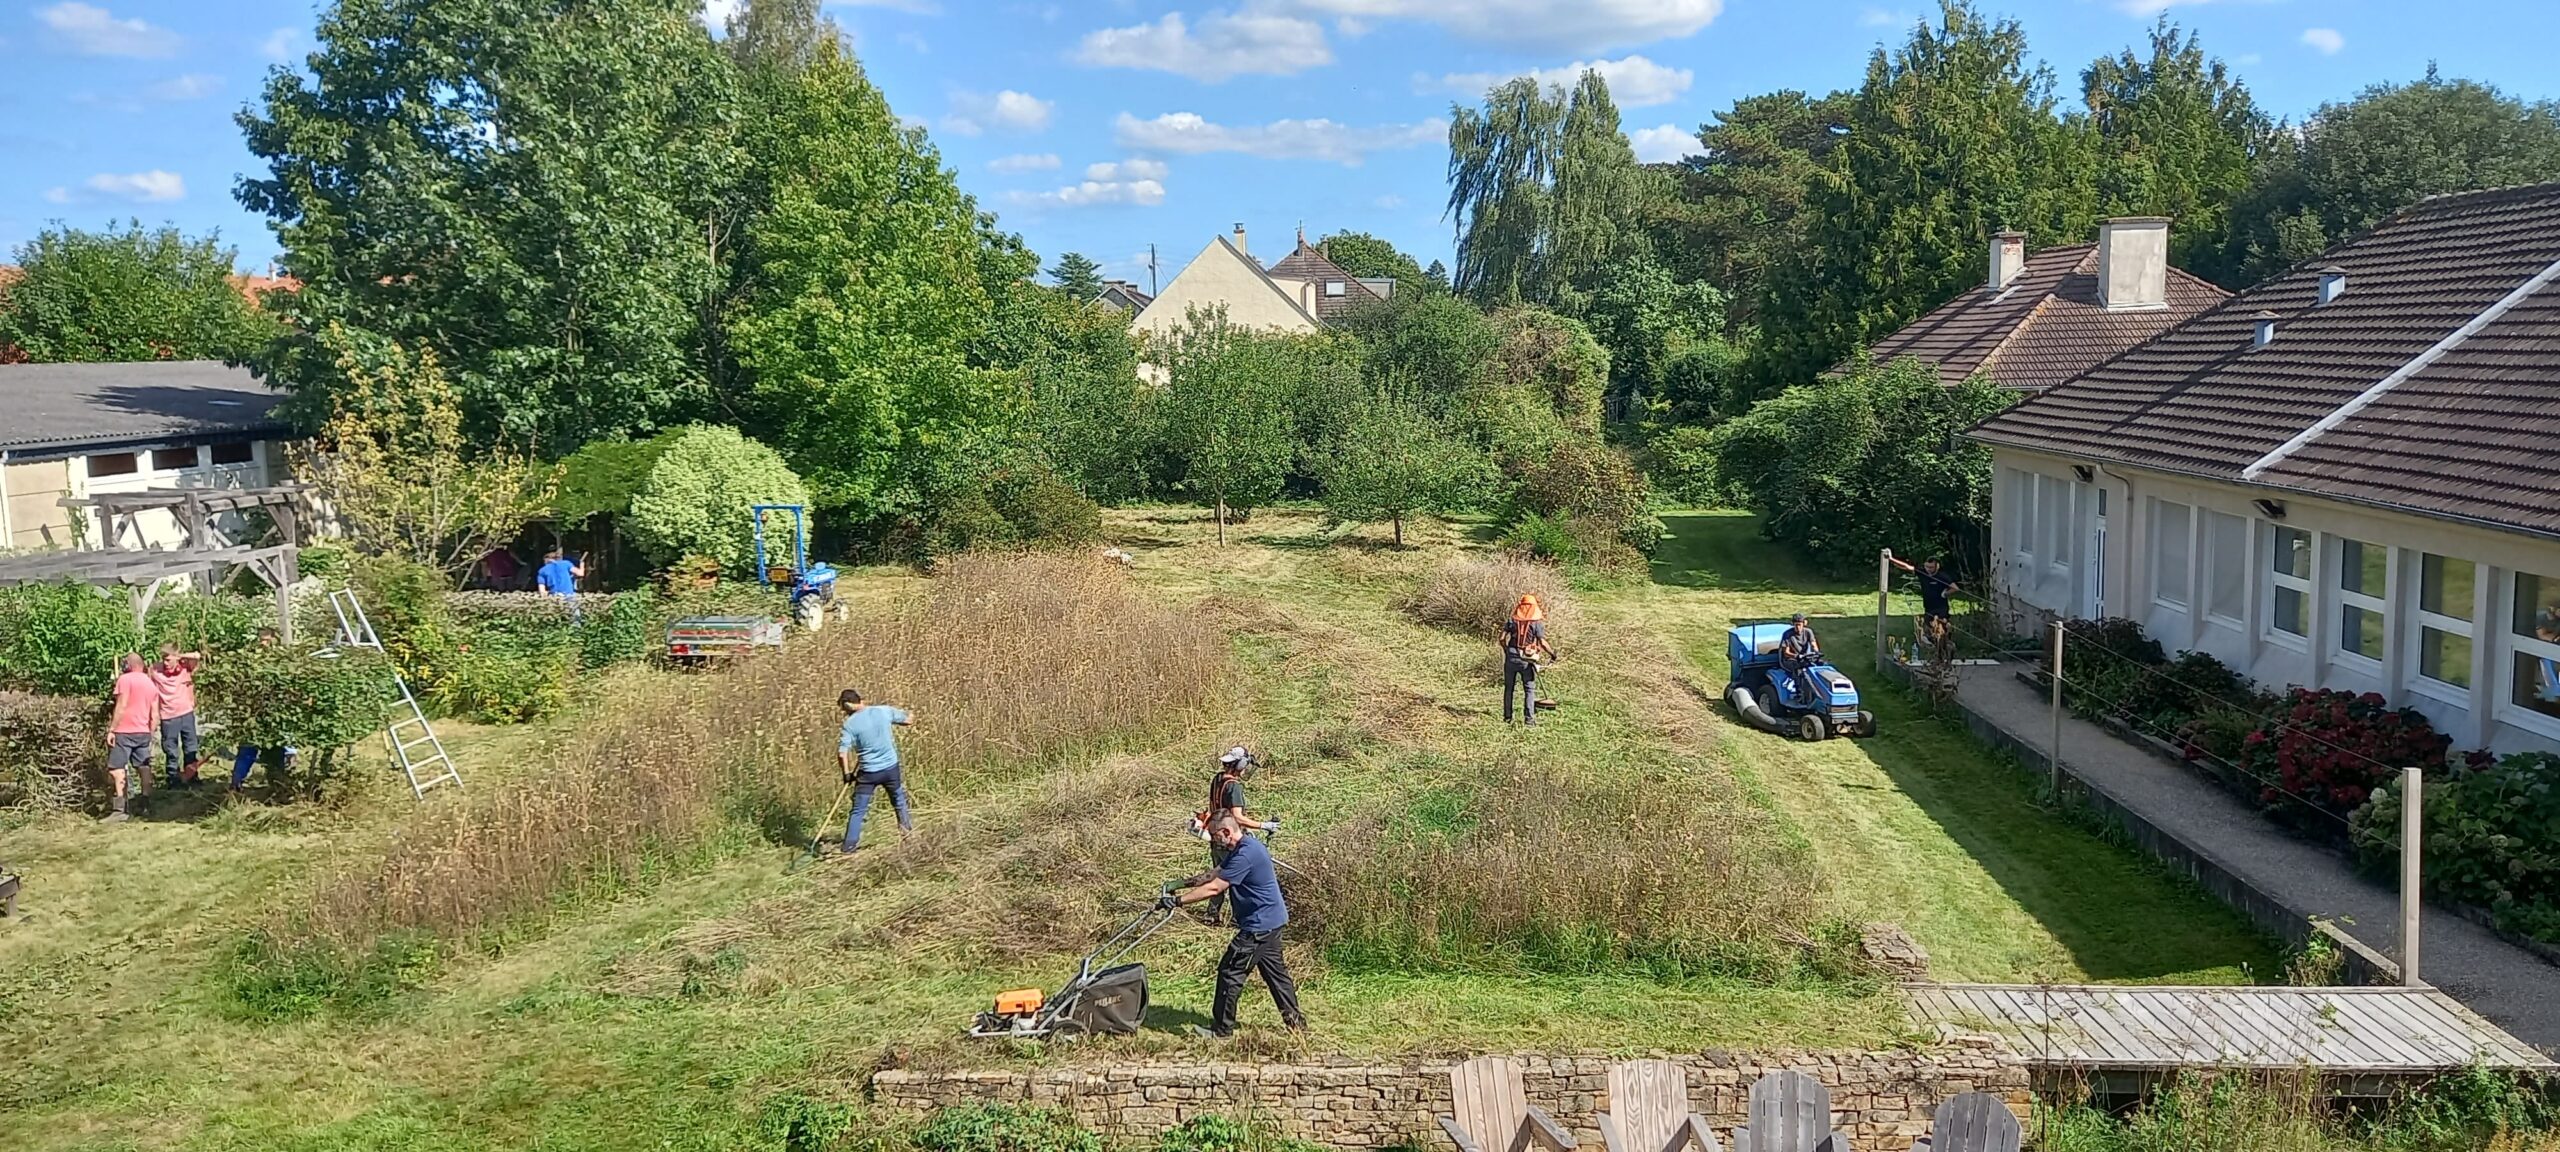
2356 1032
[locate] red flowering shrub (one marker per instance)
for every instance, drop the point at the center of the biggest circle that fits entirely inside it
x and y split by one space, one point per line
2333 748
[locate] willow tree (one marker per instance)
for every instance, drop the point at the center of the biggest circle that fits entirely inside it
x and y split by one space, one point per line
1544 188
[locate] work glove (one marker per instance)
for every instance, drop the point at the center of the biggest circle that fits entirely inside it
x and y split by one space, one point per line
1167 901
848 777
1271 826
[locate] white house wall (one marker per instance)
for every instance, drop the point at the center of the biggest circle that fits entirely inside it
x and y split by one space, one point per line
2144 570
155 528
1221 277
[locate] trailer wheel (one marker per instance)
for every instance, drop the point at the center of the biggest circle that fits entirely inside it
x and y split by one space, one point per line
1813 726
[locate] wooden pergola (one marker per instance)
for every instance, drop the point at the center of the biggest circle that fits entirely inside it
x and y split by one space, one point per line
208 556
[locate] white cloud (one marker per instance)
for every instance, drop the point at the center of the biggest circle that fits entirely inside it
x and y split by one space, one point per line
1634 82
716 13
1024 162
284 44
1663 144
1553 25
973 113
192 86
152 187
1873 17
93 31
919 7
2326 40
1390 202
2150 8
1094 193
1226 44
2246 59
913 43
1188 133
1127 170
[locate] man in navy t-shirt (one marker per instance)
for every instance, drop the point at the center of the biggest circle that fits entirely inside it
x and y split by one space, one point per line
1250 882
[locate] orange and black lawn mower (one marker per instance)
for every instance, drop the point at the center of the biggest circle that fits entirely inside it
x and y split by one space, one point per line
1104 998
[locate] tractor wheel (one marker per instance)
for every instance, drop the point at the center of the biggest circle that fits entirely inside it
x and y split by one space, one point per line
1767 697
1813 726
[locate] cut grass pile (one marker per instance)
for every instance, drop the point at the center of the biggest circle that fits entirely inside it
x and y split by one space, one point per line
1476 594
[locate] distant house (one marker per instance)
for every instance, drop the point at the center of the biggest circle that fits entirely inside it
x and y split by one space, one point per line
77 429
2347 476
1122 296
1302 292
2041 319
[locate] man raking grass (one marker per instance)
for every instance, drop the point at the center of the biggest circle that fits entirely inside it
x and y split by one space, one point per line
867 754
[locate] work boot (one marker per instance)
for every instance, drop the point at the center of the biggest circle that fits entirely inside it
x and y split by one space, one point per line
115 817
1204 1032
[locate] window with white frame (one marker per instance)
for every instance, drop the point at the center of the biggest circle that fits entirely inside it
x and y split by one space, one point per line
2288 582
2535 675
2445 585
2172 539
2053 512
2363 570
2226 565
2022 510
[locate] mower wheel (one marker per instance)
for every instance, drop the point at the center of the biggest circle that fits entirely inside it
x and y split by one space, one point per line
1813 726
1068 1029
1866 723
1767 697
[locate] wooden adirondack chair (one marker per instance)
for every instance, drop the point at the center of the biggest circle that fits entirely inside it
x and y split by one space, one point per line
1789 1112
1648 1110
1972 1122
1493 1113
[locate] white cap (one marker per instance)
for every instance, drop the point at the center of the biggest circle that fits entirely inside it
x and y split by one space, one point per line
1234 755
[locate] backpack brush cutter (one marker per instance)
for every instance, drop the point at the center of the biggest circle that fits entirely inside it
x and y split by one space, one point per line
1104 997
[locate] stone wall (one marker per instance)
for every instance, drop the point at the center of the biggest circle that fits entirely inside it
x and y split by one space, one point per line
1881 1099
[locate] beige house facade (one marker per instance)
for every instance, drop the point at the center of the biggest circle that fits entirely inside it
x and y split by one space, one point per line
78 430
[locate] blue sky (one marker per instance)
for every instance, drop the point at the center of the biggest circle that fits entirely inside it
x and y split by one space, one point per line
1105 125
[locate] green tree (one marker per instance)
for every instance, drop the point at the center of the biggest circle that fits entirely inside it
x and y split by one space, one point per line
1364 255
699 494
1872 459
2177 136
1648 321
1738 207
1227 415
2358 162
1951 138
868 294
85 296
1545 190
1437 276
1090 416
1435 342
1077 275
532 188
781 34
1390 460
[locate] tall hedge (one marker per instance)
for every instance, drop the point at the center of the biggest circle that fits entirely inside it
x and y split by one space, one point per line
698 496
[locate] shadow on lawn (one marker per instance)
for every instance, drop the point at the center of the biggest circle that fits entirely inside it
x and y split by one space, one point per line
2120 915
1725 551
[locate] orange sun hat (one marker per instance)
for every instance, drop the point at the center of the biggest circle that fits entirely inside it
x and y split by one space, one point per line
1528 609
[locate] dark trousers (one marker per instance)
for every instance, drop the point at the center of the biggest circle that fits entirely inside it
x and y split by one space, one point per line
863 786
1253 952
181 747
1522 675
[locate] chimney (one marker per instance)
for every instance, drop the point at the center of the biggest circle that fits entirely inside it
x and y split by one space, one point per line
2133 263
1240 239
2266 334
2333 283
2008 258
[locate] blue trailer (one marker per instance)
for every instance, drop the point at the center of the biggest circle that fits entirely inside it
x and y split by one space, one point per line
1818 705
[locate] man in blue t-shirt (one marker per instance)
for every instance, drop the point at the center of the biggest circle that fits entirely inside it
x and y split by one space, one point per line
1251 882
867 754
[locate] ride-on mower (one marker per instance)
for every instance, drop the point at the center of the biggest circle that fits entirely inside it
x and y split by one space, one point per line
1105 997
1767 696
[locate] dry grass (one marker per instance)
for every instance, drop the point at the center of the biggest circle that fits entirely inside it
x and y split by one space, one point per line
1571 873
1008 660
1475 595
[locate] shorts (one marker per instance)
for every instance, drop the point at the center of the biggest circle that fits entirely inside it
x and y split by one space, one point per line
129 750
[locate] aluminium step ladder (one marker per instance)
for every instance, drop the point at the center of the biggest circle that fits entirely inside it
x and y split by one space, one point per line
424 770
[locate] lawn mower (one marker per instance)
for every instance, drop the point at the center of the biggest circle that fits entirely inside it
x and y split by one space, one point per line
1105 997
1767 696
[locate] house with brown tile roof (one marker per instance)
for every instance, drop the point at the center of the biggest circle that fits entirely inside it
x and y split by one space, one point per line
1333 292
2038 320
2347 476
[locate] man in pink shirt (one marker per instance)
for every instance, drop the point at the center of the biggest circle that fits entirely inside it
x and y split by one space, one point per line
137 712
180 744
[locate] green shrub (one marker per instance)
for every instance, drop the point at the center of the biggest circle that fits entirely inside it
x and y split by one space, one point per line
219 622
623 631
46 745
1588 481
2492 838
327 560
792 1122
503 683
1003 1128
1536 536
63 639
1225 1134
1682 465
317 700
699 492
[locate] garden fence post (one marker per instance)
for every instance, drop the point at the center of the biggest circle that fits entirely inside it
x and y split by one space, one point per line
2053 749
1884 588
2412 813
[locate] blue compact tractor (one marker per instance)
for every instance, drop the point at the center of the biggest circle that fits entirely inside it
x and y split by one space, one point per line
1767 696
812 586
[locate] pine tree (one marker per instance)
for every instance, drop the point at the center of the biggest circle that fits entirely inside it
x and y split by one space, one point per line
2177 136
1077 276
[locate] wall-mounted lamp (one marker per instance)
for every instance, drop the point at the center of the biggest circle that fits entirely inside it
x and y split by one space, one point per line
2272 509
2084 472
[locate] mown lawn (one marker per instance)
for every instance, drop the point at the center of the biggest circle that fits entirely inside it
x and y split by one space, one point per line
667 1018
